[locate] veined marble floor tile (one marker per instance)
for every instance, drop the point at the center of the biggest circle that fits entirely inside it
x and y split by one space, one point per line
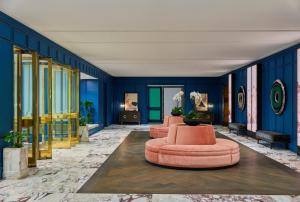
283 156
58 179
74 197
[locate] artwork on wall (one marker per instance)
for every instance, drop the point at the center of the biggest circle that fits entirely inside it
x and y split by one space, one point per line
277 97
202 102
252 98
131 102
241 98
229 97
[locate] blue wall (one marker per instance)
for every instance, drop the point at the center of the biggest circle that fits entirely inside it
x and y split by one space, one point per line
212 86
239 79
15 33
283 66
89 90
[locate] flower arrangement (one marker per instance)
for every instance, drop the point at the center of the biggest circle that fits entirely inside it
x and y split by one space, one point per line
178 110
195 98
192 118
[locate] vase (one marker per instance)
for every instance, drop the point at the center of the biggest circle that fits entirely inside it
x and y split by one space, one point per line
84 133
176 113
191 122
15 163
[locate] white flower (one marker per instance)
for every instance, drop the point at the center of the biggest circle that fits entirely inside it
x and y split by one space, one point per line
178 96
195 97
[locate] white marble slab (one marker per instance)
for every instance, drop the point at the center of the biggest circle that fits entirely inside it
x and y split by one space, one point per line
283 156
59 179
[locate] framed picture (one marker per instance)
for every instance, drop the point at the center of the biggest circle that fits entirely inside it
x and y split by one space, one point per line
131 101
241 98
202 103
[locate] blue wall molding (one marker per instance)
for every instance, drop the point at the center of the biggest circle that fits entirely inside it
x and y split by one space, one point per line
283 66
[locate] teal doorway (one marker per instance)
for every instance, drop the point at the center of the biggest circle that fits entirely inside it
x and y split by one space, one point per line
155 104
160 101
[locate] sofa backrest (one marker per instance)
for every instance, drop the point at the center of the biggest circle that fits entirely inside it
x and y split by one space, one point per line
182 134
175 120
166 121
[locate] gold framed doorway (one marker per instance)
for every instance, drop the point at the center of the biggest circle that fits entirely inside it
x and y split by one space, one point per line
65 115
46 104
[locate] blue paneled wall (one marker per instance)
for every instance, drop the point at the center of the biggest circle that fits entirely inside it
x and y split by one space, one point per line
89 90
15 33
111 90
281 65
212 86
239 79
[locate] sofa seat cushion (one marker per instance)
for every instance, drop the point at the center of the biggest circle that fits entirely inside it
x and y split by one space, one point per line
222 147
156 127
158 131
154 145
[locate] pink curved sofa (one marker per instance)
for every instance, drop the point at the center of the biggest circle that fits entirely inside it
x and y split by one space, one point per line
159 131
192 147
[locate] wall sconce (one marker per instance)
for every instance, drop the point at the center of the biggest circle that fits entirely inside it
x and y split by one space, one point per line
122 105
210 106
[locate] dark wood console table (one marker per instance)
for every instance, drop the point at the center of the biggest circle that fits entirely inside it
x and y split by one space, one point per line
129 117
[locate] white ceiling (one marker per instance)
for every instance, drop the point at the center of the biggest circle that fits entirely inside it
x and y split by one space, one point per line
164 37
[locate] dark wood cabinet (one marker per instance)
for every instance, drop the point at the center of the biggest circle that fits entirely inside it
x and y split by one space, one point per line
130 117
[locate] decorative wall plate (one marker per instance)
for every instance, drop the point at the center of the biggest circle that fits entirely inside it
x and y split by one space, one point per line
241 98
277 97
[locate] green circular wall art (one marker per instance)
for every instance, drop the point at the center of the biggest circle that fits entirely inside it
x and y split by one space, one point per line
241 98
277 97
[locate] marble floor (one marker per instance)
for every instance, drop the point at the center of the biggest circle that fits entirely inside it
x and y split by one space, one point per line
59 179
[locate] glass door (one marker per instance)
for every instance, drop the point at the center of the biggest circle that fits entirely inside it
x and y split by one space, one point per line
155 104
60 121
26 109
45 110
65 106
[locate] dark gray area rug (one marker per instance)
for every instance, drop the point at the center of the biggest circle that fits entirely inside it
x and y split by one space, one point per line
126 171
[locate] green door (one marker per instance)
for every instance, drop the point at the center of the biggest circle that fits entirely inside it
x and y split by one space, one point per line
155 103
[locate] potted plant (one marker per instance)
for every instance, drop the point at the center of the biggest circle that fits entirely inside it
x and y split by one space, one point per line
193 118
178 109
15 156
84 119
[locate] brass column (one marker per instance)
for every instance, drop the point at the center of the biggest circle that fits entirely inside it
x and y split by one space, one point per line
19 90
50 106
35 110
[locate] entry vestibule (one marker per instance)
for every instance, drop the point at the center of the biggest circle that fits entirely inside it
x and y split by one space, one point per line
46 104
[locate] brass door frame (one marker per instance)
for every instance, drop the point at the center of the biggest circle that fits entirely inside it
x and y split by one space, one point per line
47 119
75 115
34 120
71 140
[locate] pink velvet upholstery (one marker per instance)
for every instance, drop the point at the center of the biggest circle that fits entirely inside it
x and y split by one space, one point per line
182 148
187 135
159 131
